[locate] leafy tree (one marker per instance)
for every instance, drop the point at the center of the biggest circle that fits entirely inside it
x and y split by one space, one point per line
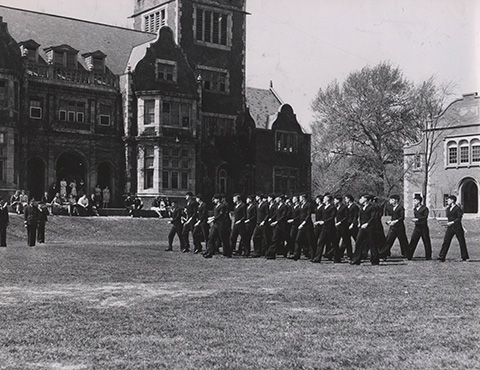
360 129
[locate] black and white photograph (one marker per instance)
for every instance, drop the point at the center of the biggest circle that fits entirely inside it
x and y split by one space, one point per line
239 184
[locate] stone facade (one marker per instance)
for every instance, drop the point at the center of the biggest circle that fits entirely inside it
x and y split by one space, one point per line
453 140
159 110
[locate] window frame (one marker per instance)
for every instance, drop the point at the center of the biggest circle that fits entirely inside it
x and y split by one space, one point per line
33 107
200 28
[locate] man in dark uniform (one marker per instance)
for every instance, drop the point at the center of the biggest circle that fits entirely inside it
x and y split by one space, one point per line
190 219
454 227
352 222
341 226
31 221
304 230
365 237
278 222
272 206
293 221
259 234
3 222
177 226
42 220
317 229
328 232
200 229
397 229
420 218
250 223
219 229
238 228
378 232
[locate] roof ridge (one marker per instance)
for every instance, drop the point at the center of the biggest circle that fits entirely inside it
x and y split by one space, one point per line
73 19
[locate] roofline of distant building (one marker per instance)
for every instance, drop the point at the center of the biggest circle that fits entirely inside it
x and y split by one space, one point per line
72 19
193 1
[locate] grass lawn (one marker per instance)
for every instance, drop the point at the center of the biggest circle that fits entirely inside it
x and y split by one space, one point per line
103 294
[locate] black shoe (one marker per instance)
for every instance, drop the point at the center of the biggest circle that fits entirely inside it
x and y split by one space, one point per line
168 249
441 259
207 256
255 256
185 250
355 263
428 258
464 259
197 251
269 257
314 261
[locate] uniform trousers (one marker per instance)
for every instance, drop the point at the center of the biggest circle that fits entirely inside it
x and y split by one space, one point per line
187 228
325 240
303 242
259 240
278 237
420 231
219 235
175 230
200 233
3 236
41 232
394 233
237 230
366 241
343 234
460 234
31 235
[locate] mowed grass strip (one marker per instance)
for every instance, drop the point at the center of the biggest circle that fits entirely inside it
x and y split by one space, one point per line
103 294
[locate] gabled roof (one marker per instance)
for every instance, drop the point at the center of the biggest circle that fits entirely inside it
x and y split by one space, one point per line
263 105
52 30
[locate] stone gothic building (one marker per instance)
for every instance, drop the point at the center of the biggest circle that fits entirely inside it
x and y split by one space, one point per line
158 110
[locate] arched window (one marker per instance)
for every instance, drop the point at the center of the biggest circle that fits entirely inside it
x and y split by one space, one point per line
475 151
464 152
452 153
222 181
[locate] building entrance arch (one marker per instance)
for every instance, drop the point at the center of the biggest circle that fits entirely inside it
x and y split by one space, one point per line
35 178
70 167
469 196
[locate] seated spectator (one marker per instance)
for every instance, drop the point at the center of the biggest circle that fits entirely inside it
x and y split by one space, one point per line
93 208
58 205
15 202
156 206
45 202
137 207
106 197
72 206
129 204
82 206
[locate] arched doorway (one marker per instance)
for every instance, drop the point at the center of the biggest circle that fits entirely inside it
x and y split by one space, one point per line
70 167
104 175
470 196
36 178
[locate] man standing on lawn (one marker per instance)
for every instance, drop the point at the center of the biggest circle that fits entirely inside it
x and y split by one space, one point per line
365 237
219 229
31 214
250 223
303 239
259 234
454 227
190 219
238 228
278 222
200 229
420 213
328 233
397 229
176 229
3 222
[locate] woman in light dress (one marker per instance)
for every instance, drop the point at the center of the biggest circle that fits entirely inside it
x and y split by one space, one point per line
63 188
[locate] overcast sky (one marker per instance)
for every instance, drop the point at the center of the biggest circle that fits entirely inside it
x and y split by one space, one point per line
303 45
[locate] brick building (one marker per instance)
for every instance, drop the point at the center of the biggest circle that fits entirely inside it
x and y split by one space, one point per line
158 110
454 168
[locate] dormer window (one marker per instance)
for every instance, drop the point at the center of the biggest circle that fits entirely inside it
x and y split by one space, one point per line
29 49
95 61
62 56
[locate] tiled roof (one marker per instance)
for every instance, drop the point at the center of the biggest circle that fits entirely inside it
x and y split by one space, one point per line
263 104
52 30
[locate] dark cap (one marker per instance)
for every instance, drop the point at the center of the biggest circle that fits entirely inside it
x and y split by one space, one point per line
418 197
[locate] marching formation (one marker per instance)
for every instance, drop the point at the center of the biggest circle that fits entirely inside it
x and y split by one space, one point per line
276 225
